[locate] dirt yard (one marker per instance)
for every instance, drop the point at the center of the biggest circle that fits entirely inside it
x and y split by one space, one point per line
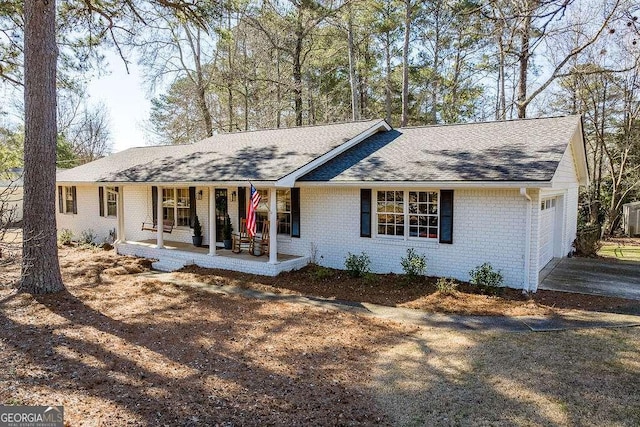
394 290
118 349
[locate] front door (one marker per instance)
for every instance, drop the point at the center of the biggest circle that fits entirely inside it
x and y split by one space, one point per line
221 211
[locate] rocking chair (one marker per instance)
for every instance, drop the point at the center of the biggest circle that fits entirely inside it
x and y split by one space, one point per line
241 240
261 244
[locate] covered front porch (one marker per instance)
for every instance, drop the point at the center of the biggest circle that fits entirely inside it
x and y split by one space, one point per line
175 255
178 205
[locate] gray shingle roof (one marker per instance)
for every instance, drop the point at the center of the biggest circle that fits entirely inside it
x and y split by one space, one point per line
518 150
260 156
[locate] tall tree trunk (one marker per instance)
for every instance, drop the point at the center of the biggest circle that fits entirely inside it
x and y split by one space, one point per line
523 65
433 119
278 92
363 83
352 68
40 266
201 85
501 110
405 65
297 77
387 88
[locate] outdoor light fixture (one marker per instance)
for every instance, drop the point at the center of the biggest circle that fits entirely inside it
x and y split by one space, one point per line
199 197
233 196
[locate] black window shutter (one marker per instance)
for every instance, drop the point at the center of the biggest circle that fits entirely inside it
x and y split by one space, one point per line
60 200
192 206
242 203
295 212
75 199
154 204
446 216
365 212
101 200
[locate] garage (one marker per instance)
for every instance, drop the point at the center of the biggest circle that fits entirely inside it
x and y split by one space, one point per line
547 231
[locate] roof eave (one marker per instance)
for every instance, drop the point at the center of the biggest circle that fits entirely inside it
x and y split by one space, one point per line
424 184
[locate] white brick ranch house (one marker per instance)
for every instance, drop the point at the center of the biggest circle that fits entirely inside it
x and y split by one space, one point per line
498 192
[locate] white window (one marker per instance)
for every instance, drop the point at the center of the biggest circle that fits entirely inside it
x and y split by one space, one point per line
547 204
283 210
423 214
390 213
408 214
283 203
68 195
262 212
112 201
176 206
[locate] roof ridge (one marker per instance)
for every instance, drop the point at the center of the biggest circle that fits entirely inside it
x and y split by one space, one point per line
487 122
344 122
252 131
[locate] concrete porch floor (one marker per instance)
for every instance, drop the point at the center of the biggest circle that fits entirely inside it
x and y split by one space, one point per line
186 247
176 255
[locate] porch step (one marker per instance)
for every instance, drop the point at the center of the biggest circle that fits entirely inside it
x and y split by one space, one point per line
170 264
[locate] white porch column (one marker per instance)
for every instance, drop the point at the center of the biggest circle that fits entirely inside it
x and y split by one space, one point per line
212 221
160 222
273 227
120 237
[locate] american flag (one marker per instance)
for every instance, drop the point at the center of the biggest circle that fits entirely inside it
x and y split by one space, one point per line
251 211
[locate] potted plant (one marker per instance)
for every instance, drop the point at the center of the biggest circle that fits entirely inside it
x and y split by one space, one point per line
197 232
227 229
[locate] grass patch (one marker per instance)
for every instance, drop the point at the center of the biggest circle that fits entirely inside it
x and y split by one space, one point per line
563 378
621 252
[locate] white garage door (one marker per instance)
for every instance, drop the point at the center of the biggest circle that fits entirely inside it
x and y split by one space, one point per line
547 222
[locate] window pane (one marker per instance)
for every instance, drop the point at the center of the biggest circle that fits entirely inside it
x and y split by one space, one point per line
182 197
261 217
183 217
390 213
68 197
168 214
168 198
112 202
284 223
423 205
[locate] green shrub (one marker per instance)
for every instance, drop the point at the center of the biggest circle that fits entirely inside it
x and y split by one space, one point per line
321 273
446 286
370 278
197 227
357 265
88 237
488 280
65 237
413 265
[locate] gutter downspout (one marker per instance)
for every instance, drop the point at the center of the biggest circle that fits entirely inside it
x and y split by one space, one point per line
527 242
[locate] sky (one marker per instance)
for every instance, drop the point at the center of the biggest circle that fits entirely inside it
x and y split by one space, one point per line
127 102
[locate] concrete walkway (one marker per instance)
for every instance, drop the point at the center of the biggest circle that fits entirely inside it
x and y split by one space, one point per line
595 277
574 320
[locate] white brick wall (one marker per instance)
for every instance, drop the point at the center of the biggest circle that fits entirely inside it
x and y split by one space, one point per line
138 209
488 226
88 216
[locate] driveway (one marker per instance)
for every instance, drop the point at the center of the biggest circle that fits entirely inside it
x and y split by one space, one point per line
595 277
